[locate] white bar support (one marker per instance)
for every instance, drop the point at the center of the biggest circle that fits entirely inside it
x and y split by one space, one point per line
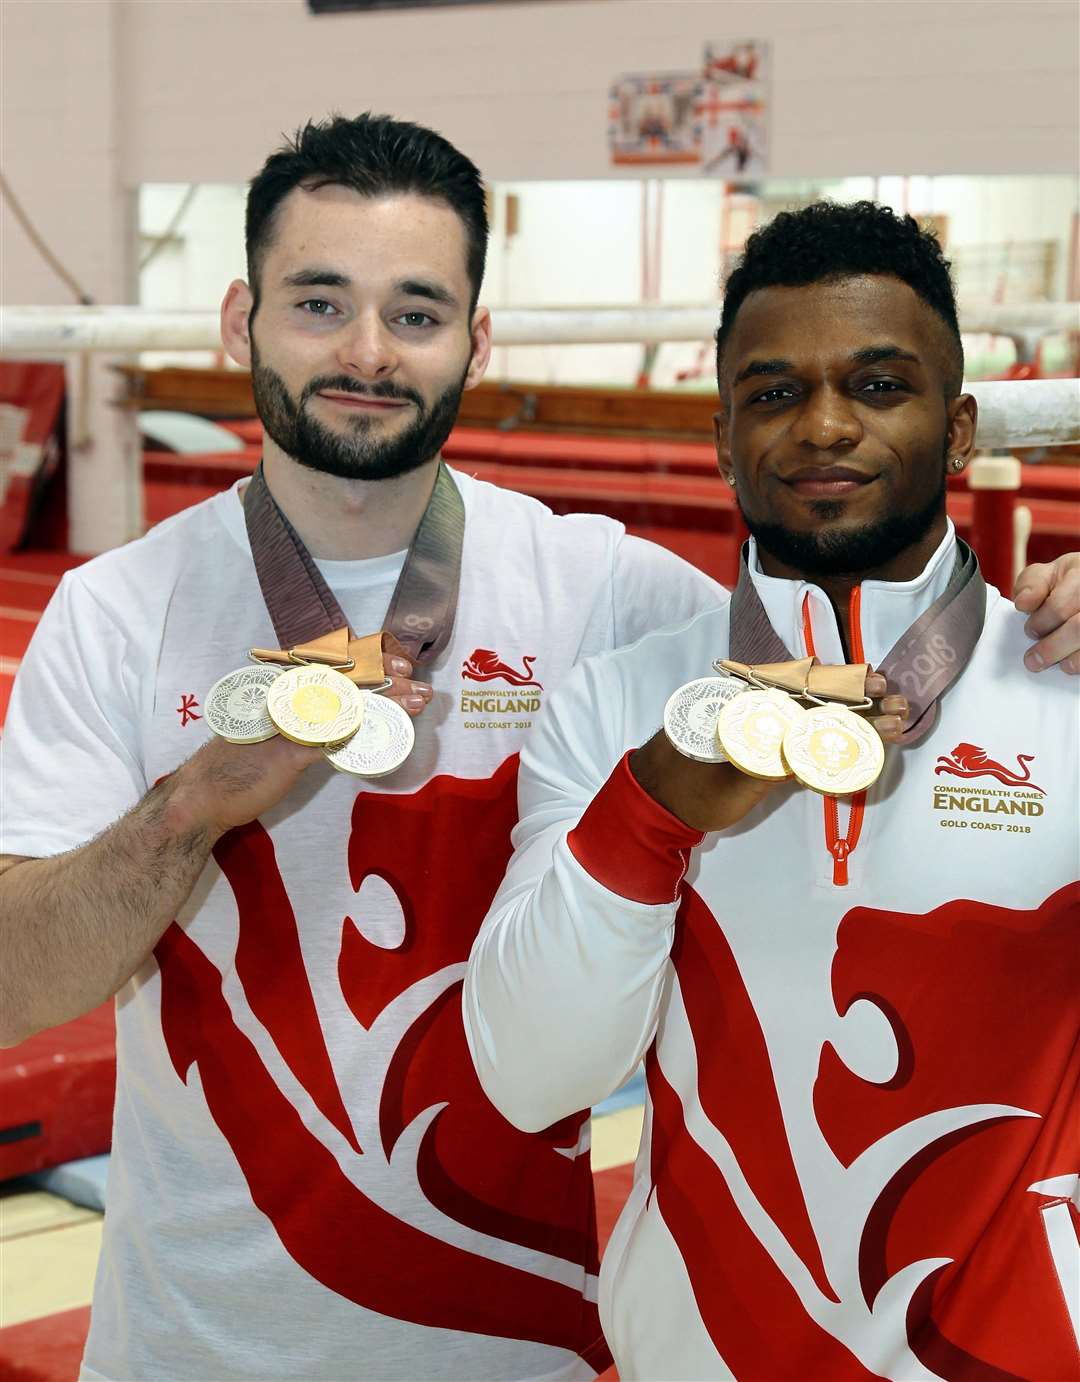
1026 412
28 331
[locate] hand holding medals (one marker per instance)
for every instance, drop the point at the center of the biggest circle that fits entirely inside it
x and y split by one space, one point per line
751 717
314 704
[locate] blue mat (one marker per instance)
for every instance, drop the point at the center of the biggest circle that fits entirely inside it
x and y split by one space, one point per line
81 1182
631 1094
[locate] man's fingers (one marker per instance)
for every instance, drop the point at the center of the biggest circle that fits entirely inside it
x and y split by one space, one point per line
412 696
890 727
1060 647
889 704
1032 587
1060 599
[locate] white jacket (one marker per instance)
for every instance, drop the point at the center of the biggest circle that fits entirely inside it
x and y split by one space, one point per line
862 1132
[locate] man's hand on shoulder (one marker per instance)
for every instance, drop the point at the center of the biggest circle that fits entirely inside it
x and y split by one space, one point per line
1049 593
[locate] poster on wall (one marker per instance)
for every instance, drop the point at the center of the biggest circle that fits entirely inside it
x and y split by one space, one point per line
733 110
653 118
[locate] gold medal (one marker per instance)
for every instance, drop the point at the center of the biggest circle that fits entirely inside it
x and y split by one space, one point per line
315 706
752 729
236 705
833 751
381 744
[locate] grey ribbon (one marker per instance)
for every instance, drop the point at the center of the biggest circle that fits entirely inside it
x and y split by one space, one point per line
922 664
303 607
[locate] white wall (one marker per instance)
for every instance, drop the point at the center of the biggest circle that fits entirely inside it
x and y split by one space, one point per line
913 87
100 96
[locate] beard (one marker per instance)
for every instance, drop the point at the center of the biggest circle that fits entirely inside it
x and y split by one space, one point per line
358 453
847 551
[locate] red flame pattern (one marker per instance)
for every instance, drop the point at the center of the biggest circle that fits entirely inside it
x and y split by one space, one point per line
994 1311
443 851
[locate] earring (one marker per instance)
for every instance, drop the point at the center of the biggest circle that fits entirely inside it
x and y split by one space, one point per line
956 464
730 479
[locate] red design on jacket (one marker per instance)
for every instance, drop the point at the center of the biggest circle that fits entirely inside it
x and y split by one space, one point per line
486 665
968 760
187 710
934 1193
442 850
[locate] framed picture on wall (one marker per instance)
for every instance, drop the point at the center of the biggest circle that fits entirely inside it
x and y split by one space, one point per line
652 118
733 109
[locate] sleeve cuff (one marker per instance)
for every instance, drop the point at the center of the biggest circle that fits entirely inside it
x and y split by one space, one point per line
630 844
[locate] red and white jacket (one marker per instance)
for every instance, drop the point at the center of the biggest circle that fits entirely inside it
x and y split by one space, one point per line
862 1131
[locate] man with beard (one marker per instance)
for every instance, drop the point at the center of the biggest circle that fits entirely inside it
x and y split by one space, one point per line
857 1009
307 1178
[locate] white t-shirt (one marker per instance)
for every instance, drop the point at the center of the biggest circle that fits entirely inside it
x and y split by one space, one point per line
862 1130
307 1181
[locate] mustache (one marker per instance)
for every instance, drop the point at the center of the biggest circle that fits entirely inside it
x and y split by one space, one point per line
343 384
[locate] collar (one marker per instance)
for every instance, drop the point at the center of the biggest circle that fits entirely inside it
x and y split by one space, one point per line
888 608
363 571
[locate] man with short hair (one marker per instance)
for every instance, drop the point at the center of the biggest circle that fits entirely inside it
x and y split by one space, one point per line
857 1009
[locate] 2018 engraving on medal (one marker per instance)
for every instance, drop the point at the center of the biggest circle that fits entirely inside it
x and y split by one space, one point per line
752 729
236 705
833 751
692 714
381 744
315 706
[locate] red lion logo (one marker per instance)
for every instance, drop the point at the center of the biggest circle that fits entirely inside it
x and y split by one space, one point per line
968 760
485 665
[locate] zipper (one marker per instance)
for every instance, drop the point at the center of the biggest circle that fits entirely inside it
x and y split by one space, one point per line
841 847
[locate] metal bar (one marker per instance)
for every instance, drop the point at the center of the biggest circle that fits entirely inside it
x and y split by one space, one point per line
1029 412
56 330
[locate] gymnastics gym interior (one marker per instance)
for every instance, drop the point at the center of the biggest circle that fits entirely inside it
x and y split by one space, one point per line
630 147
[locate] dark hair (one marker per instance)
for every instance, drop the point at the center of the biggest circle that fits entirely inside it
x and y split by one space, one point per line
831 241
375 156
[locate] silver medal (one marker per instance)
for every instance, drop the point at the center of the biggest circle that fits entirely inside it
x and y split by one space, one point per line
381 744
692 713
236 705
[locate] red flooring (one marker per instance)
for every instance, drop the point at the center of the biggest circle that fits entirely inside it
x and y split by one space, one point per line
45 1350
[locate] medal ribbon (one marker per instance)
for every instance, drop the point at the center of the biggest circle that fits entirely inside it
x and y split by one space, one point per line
302 606
922 664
